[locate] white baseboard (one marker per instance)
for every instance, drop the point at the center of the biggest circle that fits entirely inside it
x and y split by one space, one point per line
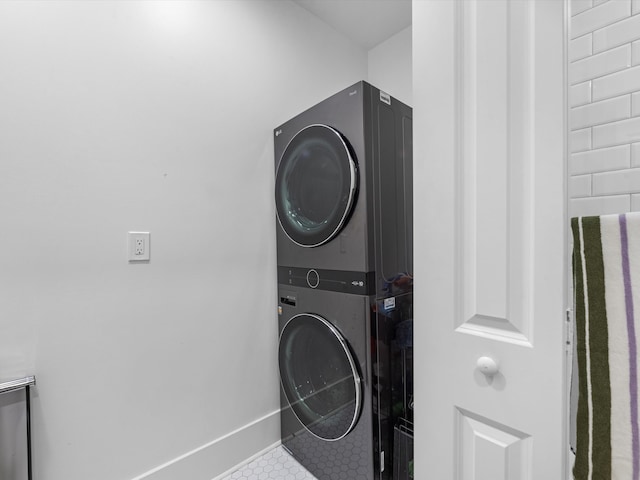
222 455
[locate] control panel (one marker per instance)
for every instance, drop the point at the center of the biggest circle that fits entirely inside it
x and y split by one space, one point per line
359 283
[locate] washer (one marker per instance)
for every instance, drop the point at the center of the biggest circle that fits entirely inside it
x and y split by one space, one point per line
343 195
343 192
338 357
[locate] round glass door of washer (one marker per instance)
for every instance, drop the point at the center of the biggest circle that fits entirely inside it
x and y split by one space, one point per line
319 376
316 183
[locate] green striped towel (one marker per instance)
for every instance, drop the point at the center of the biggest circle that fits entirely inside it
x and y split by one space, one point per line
606 270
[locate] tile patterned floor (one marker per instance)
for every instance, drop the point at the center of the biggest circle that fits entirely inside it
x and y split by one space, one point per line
276 464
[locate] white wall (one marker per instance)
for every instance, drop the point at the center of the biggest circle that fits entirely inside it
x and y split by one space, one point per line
604 52
390 66
151 116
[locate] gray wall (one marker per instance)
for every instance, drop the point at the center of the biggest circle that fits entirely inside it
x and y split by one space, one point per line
149 116
390 66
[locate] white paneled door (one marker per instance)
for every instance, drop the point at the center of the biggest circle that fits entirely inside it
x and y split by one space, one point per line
489 150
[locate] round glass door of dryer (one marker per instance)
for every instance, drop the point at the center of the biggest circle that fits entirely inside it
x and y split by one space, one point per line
316 184
319 376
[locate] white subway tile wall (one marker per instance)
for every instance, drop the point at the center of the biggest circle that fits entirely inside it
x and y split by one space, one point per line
635 104
619 83
616 34
604 96
580 140
616 133
617 182
599 16
579 6
581 47
598 113
580 186
580 94
600 205
601 160
635 155
600 64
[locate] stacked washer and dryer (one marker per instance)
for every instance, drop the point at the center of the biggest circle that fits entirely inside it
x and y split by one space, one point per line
345 282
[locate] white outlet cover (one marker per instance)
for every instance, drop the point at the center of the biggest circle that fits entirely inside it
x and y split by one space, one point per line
135 251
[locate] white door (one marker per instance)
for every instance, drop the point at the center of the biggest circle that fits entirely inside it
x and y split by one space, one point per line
489 155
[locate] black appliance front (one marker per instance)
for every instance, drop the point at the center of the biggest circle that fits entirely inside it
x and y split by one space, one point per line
340 397
343 189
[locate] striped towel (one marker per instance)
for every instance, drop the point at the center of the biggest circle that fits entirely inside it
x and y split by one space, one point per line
606 269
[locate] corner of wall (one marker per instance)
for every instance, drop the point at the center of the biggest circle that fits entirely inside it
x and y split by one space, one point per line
390 66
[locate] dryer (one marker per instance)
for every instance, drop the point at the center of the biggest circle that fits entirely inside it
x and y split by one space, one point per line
341 395
343 193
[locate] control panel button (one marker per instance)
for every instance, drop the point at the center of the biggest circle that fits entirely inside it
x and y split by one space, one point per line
313 279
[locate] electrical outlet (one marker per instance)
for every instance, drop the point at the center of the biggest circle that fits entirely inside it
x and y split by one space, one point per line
138 246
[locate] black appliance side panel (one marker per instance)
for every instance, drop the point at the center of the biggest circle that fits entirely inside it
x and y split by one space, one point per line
407 155
392 365
392 183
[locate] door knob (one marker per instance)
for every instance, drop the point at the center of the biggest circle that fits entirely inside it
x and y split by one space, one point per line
487 366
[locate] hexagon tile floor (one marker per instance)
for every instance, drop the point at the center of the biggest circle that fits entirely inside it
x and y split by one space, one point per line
276 464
